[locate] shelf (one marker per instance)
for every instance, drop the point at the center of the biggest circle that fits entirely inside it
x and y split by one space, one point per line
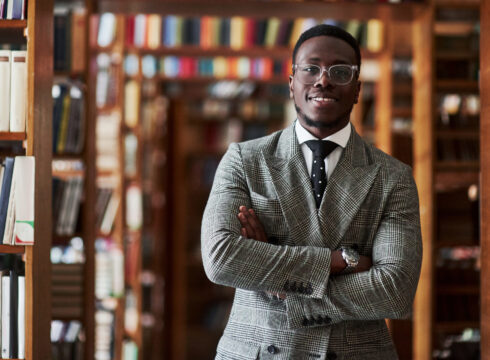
457 165
455 326
280 80
457 85
195 51
284 9
13 136
454 28
449 180
457 55
404 112
12 249
13 24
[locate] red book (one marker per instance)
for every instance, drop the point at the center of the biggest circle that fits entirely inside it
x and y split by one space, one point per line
130 30
250 32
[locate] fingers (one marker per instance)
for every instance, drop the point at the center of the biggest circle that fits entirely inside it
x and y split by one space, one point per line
251 225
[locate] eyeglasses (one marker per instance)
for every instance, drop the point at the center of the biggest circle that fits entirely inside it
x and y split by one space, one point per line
340 74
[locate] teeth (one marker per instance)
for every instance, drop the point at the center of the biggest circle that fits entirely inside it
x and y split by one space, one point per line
323 99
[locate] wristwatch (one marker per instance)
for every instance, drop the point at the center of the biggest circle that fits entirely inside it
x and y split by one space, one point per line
351 258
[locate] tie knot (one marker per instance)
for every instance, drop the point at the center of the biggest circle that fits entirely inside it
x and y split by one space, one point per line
321 148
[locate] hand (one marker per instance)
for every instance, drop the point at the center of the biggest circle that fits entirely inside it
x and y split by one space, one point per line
251 226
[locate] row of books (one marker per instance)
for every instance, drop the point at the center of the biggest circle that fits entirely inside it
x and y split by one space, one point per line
67 282
462 346
105 323
17 181
13 92
67 199
459 110
68 117
12 306
240 67
458 150
13 9
70 39
109 269
237 32
107 83
457 307
67 338
457 69
248 110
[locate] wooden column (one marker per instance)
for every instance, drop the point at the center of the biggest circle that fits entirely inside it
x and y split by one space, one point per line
39 143
423 172
485 176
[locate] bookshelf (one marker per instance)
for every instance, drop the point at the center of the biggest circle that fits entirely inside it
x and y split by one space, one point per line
193 146
73 163
36 142
447 166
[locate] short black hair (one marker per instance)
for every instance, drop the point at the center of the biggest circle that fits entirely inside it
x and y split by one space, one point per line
328 30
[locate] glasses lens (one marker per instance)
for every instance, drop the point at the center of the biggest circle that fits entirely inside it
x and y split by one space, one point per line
308 74
341 74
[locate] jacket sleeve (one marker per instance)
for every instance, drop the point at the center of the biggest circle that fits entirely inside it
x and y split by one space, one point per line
232 260
387 290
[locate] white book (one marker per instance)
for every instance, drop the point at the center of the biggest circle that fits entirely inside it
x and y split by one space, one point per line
107 28
5 58
24 177
5 317
18 91
21 319
10 9
134 207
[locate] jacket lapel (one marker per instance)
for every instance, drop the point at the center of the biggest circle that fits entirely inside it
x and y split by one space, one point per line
291 182
347 187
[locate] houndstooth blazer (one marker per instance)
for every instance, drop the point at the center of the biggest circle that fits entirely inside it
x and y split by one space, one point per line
371 203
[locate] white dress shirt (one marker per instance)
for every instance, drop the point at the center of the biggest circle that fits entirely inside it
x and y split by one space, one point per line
341 138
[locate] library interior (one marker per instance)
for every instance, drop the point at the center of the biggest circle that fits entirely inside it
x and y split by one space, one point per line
102 252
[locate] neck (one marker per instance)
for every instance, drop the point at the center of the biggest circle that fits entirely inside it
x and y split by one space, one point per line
321 130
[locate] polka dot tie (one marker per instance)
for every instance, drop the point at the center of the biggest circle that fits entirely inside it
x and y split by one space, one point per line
321 149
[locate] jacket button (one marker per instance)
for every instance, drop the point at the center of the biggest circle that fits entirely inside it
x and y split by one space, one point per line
312 321
331 355
309 289
272 349
319 320
293 286
273 240
327 320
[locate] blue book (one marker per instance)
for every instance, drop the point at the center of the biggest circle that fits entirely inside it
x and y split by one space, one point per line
5 194
17 9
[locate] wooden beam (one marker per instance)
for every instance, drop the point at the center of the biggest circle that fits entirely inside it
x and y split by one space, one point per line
284 9
485 176
423 171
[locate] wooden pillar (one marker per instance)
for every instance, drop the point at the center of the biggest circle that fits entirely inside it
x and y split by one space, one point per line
485 176
423 172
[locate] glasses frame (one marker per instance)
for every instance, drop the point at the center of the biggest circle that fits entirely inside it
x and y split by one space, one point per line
326 69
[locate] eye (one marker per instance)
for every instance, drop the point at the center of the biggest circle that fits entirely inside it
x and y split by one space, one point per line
341 71
310 69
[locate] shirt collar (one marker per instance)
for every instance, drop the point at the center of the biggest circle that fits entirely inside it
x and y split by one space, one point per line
341 137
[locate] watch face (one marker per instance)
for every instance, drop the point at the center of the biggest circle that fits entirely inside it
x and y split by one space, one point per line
351 256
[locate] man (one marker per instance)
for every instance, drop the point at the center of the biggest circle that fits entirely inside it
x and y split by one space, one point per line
321 245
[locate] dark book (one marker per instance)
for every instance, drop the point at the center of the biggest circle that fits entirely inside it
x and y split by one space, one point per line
5 194
260 32
224 32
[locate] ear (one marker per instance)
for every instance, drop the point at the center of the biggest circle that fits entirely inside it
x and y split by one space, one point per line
291 86
358 91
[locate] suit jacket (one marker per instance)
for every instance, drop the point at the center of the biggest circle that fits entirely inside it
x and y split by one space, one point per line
370 202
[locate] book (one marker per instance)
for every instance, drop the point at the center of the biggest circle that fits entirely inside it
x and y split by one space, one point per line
5 315
21 318
18 91
78 39
5 58
5 194
24 177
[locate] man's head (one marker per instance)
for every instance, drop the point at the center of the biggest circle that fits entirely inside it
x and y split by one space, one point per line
324 95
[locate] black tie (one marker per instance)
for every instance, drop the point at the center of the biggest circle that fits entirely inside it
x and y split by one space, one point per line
321 149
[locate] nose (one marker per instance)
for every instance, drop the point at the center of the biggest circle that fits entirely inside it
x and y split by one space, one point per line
323 80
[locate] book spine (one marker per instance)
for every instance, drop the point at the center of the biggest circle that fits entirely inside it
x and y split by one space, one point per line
18 86
5 58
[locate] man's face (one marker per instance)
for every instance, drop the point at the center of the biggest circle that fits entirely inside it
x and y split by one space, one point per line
323 107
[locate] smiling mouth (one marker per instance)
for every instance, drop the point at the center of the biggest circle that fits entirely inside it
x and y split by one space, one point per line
322 100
